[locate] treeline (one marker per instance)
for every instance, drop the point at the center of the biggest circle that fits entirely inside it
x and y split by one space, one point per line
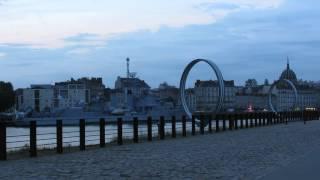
7 96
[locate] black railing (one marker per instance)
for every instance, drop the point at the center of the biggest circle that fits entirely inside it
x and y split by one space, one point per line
102 132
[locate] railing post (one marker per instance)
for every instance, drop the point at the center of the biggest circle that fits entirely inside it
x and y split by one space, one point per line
202 124
3 141
230 118
119 138
149 124
82 134
281 117
304 117
135 130
217 122
33 138
59 137
193 126
184 126
236 121
251 115
259 121
264 119
173 127
210 123
161 128
256 119
102 124
246 116
241 121
224 127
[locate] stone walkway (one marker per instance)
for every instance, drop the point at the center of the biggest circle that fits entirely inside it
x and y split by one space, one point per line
242 154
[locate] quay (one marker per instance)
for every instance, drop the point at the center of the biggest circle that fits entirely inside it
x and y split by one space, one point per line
244 154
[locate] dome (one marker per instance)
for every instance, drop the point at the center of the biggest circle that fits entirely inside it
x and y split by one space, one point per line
289 74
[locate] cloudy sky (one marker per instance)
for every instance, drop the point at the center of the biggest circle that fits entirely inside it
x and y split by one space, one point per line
43 41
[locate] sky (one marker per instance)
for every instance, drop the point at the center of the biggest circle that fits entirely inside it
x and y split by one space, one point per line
44 41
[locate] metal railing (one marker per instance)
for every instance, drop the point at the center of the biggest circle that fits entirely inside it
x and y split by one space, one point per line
33 138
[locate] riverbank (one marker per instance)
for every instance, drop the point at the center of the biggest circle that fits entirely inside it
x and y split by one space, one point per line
243 154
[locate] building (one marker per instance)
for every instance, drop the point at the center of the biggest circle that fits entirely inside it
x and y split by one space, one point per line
307 94
93 85
38 98
254 102
206 93
69 95
127 92
191 99
96 88
168 94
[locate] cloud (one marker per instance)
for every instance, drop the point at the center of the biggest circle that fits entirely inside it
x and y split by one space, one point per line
2 2
47 23
2 54
79 51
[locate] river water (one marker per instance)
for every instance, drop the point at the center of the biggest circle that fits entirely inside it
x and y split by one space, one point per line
18 137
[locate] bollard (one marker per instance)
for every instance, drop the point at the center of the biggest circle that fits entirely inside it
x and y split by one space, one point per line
135 130
173 127
82 135
33 138
119 124
102 124
184 126
217 122
59 137
161 128
3 141
149 124
202 124
193 126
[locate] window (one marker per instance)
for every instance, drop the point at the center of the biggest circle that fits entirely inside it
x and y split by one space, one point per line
37 94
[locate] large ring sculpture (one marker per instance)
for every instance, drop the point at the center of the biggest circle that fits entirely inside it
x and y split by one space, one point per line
184 79
274 85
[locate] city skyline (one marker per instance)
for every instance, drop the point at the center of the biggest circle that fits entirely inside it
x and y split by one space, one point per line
247 39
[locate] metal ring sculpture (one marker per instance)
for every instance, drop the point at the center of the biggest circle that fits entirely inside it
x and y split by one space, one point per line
274 85
184 79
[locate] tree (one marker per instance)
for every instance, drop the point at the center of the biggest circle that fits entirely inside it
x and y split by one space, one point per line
251 83
266 82
7 96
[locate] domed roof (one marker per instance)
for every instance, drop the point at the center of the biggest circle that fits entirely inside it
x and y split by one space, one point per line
289 74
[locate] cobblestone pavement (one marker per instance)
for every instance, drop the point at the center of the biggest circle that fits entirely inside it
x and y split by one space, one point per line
242 154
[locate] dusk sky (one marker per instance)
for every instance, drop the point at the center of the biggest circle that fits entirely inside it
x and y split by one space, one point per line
43 41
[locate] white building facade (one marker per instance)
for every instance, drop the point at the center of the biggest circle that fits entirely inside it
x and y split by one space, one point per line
39 98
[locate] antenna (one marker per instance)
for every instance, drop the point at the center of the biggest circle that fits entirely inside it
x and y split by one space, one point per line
128 67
